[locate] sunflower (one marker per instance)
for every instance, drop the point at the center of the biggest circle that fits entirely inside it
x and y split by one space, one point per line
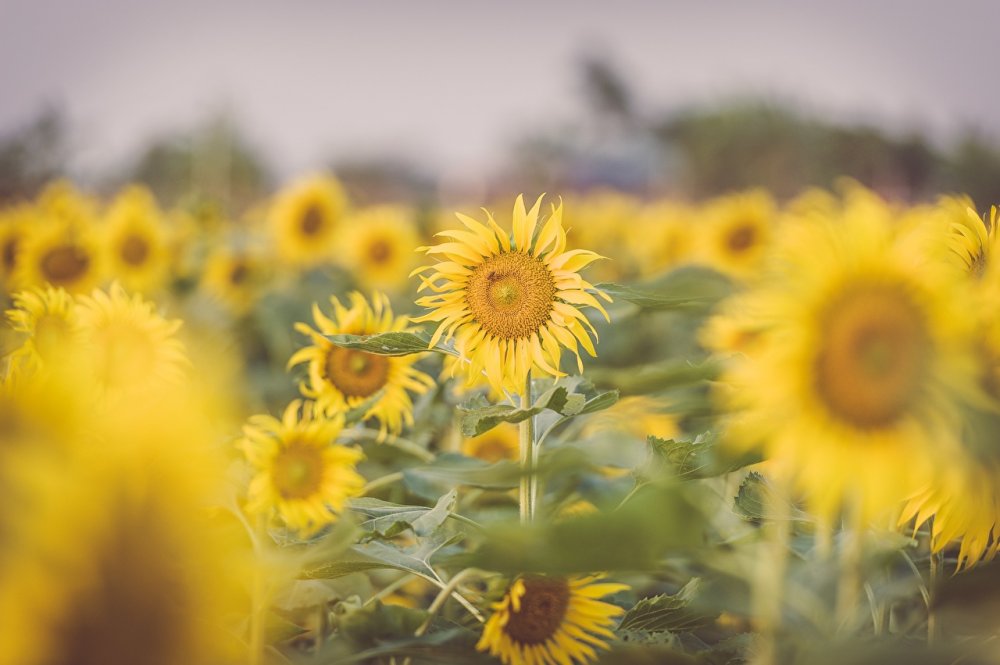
300 472
135 241
551 620
511 303
15 223
234 277
305 219
128 348
639 416
47 318
61 251
498 444
661 237
739 232
379 244
856 373
341 379
972 240
605 219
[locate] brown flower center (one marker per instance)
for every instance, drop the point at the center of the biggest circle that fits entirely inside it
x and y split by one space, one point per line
10 248
297 472
238 273
312 220
380 251
873 360
511 295
543 608
64 264
741 238
356 373
134 250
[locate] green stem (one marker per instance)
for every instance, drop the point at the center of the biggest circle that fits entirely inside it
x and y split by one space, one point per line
934 573
769 581
381 481
851 554
528 484
442 596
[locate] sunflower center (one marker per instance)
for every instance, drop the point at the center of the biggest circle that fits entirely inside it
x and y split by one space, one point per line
380 251
238 274
64 264
10 248
543 608
356 373
134 250
511 295
873 358
741 238
298 471
312 220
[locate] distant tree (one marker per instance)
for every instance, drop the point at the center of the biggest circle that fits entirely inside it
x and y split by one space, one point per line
32 155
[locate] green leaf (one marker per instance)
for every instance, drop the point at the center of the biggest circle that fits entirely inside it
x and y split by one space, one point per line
654 377
389 519
600 402
376 554
755 501
479 416
665 612
690 289
690 459
389 343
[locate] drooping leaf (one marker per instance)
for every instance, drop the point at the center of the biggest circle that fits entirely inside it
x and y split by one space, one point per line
690 289
389 519
479 416
376 554
654 377
665 612
389 343
691 459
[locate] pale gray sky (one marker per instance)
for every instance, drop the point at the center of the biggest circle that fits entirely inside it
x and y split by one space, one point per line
449 82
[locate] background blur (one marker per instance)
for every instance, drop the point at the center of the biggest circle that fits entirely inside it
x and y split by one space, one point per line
465 100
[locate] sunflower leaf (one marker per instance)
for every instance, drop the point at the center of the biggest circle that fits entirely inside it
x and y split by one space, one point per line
665 612
376 555
479 416
390 343
756 498
390 519
690 289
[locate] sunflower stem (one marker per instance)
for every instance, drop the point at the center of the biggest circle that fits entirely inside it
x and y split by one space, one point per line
770 578
528 484
933 574
851 554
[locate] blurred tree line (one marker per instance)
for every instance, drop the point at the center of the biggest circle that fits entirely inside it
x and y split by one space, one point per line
695 152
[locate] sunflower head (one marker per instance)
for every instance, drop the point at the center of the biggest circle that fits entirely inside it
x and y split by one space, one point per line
341 379
510 302
135 241
971 241
739 232
498 444
305 219
380 243
47 319
63 252
300 472
235 278
544 619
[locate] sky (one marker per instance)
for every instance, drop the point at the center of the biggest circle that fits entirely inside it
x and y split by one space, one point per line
449 84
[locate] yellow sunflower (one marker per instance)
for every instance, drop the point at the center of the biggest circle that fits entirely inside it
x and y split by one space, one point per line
380 243
498 444
64 252
46 317
661 237
305 219
15 223
341 379
300 472
136 242
551 621
739 231
605 219
235 278
511 303
856 373
639 416
127 346
972 240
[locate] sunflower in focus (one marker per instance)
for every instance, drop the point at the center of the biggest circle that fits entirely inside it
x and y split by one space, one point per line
127 346
854 380
739 232
63 253
136 243
379 244
235 278
553 620
305 219
300 472
341 379
46 317
511 303
498 444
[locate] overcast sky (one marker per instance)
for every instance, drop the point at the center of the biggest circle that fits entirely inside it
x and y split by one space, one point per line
449 83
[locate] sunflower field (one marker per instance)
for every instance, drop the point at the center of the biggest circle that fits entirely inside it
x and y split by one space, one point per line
545 431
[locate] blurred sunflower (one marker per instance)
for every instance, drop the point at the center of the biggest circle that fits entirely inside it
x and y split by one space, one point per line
63 253
739 232
380 244
660 237
511 303
47 319
496 445
543 620
856 377
972 240
15 222
606 219
305 219
234 277
300 472
341 379
639 416
128 347
136 242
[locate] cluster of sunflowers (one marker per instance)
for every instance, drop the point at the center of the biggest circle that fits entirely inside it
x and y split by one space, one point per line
790 434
